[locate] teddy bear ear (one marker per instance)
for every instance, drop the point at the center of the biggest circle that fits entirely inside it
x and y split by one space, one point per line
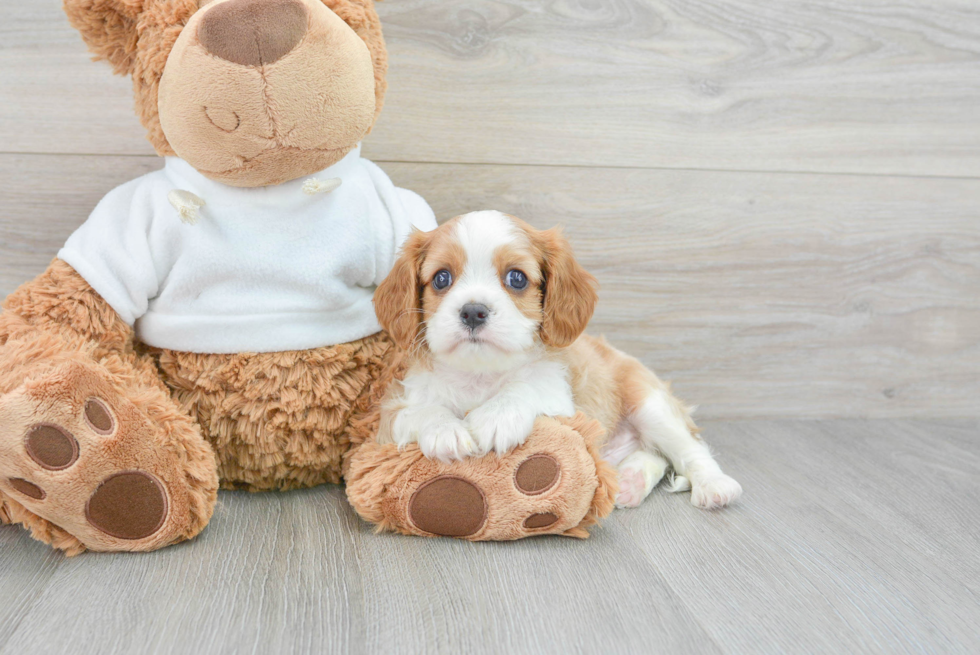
363 19
108 28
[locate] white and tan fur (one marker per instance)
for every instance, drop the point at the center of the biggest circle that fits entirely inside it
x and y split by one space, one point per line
474 389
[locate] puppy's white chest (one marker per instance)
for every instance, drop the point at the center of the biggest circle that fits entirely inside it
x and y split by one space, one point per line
541 387
472 391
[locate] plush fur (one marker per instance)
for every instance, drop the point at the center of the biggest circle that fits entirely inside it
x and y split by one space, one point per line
281 420
185 421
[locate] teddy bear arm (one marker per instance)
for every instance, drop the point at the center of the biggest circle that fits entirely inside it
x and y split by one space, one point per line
94 452
60 300
554 483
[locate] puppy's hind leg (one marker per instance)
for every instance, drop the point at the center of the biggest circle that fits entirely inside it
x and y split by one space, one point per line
639 473
665 426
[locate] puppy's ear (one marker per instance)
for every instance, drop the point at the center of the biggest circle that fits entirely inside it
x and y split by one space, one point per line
108 28
569 290
398 299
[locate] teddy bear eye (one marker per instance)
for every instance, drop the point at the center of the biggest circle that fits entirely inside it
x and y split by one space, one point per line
516 280
442 280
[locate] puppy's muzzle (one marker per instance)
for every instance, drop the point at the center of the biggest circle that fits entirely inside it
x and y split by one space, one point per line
473 315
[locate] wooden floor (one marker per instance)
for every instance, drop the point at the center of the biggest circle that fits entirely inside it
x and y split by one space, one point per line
854 536
781 201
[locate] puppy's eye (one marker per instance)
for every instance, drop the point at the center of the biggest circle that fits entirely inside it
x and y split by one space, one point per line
516 280
442 280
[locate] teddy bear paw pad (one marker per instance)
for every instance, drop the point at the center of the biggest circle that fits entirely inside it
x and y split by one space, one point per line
540 520
26 488
130 505
537 474
448 506
453 506
51 447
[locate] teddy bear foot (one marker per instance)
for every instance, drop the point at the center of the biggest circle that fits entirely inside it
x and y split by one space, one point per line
83 468
554 483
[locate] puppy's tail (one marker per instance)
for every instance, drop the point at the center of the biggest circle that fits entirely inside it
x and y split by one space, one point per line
675 484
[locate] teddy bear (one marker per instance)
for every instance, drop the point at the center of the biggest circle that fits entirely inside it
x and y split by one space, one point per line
211 324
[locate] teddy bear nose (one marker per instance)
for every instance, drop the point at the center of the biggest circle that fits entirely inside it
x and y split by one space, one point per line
253 32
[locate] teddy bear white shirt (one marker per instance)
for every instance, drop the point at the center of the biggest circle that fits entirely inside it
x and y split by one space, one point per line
268 269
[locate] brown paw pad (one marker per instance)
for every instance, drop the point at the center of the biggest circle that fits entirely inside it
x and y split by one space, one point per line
52 447
448 506
537 474
29 489
130 505
98 416
542 520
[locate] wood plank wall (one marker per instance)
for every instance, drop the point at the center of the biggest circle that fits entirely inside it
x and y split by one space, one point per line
781 200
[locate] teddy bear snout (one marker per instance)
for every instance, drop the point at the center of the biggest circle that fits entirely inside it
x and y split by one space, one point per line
258 92
253 32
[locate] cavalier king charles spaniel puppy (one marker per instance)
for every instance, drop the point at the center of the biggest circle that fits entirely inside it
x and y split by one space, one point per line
492 314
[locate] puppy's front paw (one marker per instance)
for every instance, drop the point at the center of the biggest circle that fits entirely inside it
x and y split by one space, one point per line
715 491
447 442
499 429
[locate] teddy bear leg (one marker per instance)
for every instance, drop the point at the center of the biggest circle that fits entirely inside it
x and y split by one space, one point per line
555 483
94 454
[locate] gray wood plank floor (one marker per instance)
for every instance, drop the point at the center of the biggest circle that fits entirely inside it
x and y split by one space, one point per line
853 536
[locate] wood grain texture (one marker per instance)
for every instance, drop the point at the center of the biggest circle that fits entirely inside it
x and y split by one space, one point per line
871 554
758 294
26 569
869 86
278 574
853 536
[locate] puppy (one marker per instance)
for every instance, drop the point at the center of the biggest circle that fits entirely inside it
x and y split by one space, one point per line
492 312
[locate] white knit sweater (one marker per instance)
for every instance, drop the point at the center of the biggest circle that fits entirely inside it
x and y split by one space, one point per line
252 270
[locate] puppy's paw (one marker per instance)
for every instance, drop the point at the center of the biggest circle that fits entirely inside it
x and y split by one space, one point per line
499 429
715 491
631 488
447 442
638 475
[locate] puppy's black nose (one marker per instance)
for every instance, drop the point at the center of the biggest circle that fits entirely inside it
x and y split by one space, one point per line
473 315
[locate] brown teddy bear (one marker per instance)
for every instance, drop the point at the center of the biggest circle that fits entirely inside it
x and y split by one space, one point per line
211 323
